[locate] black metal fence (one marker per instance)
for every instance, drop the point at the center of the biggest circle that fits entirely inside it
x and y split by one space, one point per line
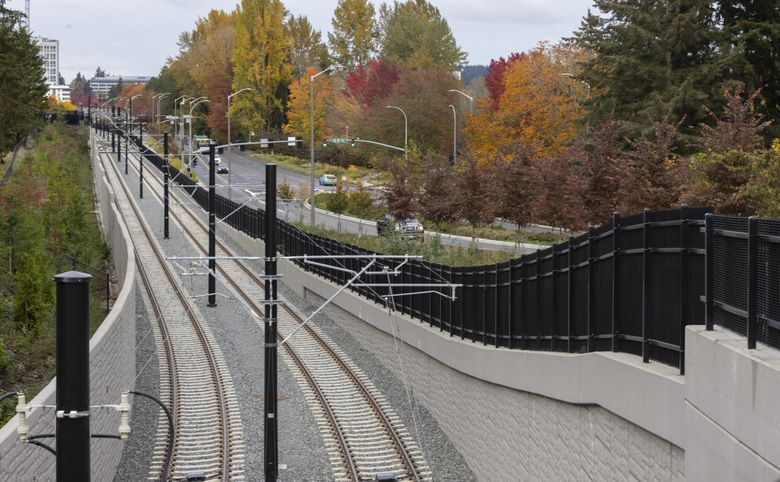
630 285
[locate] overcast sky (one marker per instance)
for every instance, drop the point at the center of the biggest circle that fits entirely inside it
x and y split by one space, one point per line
136 37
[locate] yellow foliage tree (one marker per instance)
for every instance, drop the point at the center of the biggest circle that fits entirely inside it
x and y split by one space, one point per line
299 106
261 61
540 108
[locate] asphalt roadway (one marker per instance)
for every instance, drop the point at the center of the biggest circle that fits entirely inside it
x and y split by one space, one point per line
247 175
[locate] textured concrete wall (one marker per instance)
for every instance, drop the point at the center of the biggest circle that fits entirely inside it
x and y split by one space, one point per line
112 370
732 397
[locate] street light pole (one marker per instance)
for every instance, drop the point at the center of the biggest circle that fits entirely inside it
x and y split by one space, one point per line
230 144
312 199
159 100
454 135
470 98
406 131
189 141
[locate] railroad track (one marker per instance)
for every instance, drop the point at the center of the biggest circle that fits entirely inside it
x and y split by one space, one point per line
363 435
194 380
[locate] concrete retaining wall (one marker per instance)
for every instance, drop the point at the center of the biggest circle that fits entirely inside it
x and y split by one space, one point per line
112 370
524 415
732 408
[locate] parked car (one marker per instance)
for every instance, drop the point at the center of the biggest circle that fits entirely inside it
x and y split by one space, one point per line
408 227
222 170
328 180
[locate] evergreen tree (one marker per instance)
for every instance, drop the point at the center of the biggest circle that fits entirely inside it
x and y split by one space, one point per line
653 58
116 90
750 51
22 88
414 34
355 33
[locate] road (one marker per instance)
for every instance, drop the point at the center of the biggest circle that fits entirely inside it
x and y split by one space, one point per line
248 186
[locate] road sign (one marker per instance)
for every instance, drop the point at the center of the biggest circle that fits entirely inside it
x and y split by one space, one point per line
263 142
291 141
340 140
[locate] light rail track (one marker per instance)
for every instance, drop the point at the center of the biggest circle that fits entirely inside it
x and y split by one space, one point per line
194 379
363 435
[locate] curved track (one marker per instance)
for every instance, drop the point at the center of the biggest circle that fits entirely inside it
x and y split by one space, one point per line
194 381
362 432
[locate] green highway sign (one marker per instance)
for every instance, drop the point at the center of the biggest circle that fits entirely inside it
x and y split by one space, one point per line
339 140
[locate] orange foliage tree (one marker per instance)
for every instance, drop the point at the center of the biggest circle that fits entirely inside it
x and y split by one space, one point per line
299 105
539 107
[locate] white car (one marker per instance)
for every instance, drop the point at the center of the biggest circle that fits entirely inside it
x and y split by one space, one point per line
217 160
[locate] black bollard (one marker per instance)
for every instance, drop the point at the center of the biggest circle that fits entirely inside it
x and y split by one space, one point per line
73 376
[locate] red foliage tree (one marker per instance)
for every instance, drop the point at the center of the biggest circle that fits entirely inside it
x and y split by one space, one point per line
369 83
494 79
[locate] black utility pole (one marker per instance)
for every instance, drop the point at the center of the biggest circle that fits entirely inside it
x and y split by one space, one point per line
73 376
270 430
212 227
113 145
166 176
141 160
127 138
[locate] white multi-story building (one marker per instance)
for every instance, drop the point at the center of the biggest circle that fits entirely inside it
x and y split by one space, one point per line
50 51
61 92
102 85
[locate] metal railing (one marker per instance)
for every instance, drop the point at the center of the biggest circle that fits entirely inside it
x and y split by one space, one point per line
630 285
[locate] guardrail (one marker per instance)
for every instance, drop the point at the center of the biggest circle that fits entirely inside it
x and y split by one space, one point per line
630 285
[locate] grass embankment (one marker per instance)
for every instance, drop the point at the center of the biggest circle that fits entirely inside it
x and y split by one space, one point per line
431 248
174 161
46 218
355 174
498 233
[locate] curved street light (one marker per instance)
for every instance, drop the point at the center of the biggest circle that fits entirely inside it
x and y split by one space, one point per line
406 130
230 143
454 135
195 103
159 100
470 98
311 145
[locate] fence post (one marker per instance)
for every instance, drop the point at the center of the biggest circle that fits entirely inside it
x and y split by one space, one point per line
73 450
108 291
511 302
683 285
495 305
615 273
708 273
590 288
569 300
645 282
752 318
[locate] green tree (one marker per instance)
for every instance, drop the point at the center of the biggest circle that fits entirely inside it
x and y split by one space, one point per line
414 34
116 90
261 61
749 49
307 49
355 33
652 59
23 92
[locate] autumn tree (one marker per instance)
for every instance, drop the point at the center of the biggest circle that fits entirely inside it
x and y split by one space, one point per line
370 83
739 129
261 61
650 171
470 193
142 105
512 187
414 34
307 48
299 113
353 39
494 79
538 107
